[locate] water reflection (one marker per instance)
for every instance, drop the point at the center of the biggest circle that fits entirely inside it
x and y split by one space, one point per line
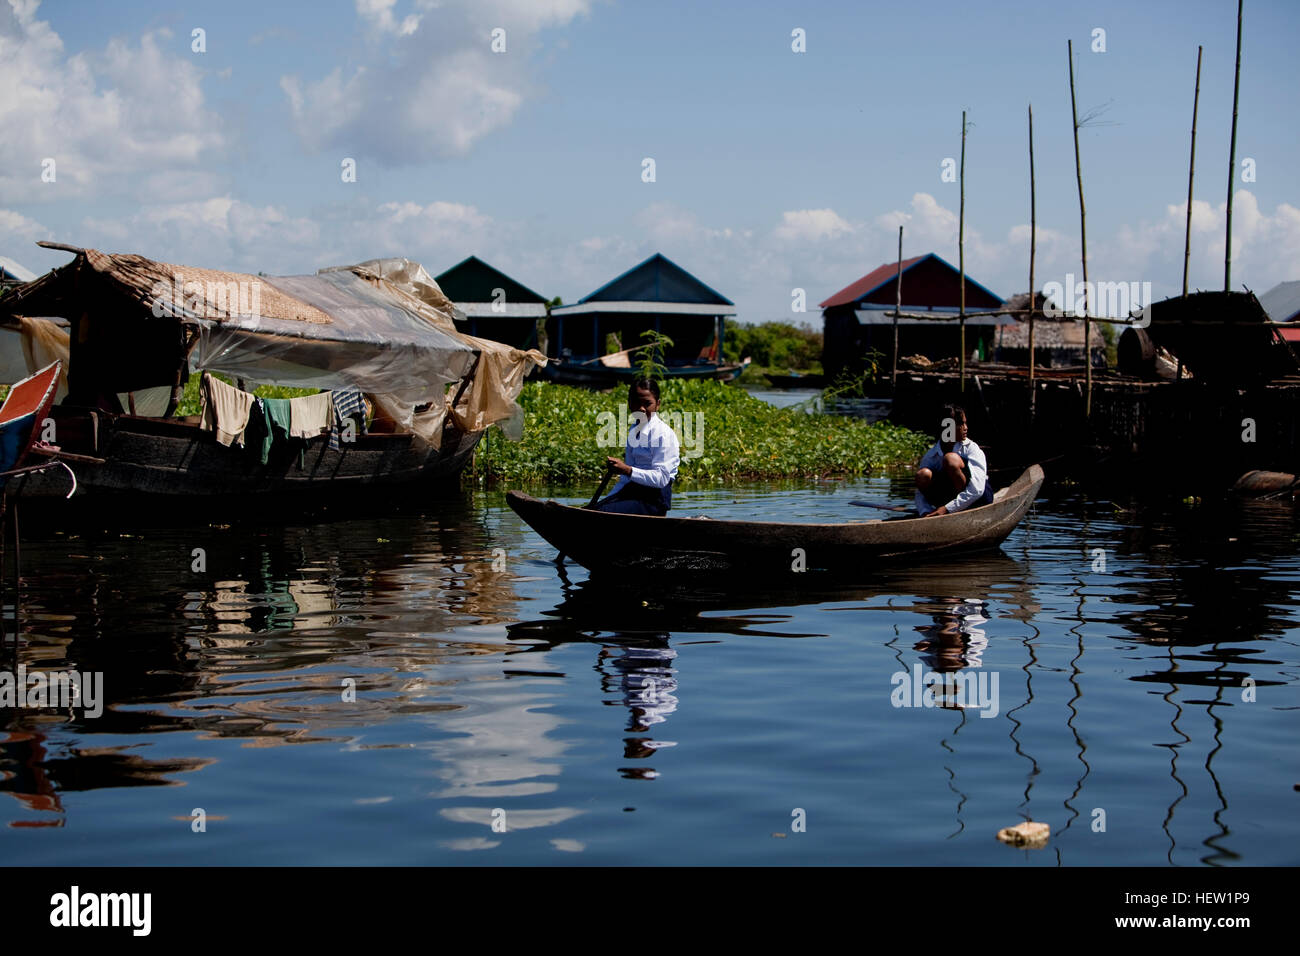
392 637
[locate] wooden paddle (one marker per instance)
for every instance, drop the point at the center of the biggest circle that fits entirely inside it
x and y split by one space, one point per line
609 473
872 504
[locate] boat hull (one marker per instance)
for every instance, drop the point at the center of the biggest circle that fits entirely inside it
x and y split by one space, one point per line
148 462
617 544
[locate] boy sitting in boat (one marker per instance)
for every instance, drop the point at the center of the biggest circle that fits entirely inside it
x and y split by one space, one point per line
953 475
653 453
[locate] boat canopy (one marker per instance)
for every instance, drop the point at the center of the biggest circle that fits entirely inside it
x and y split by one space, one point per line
381 326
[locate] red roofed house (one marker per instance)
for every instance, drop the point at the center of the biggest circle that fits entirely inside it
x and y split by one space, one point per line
854 320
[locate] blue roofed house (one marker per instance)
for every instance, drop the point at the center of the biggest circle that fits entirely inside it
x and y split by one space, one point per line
655 294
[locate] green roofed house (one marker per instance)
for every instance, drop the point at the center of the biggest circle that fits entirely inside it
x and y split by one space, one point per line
495 306
594 342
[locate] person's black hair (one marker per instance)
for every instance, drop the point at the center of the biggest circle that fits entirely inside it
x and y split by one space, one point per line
649 384
957 414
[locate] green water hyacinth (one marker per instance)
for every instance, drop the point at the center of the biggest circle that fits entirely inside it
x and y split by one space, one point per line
726 434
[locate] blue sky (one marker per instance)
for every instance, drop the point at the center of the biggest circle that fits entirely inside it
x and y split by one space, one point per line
774 169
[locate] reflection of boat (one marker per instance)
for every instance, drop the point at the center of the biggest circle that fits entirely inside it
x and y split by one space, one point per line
604 542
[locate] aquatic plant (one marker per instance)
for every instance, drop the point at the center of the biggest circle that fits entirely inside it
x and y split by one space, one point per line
725 432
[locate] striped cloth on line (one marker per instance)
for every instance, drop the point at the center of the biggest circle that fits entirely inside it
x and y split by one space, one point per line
347 404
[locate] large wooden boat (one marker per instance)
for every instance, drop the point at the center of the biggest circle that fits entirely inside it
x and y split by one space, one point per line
614 543
140 328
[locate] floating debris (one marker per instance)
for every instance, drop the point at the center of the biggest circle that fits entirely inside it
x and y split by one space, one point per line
1028 834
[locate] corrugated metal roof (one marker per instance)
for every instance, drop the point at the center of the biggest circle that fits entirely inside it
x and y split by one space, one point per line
1282 302
869 283
15 270
657 279
887 273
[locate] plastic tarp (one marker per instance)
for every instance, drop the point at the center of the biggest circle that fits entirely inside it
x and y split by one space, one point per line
491 397
31 346
383 327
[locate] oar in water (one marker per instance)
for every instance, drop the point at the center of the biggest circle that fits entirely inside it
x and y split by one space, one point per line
609 473
600 490
872 504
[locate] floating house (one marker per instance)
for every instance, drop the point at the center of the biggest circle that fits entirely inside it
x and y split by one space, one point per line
1058 339
656 294
1282 303
377 333
855 319
495 306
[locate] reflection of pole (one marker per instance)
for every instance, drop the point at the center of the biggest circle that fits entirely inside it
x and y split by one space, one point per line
1083 245
1033 242
1232 159
961 250
898 307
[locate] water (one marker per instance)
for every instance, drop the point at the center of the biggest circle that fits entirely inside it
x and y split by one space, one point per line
648 726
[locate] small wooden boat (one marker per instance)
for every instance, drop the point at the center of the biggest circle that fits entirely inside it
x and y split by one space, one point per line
24 408
795 380
612 543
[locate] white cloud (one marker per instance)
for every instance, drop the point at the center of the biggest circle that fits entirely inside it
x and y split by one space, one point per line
379 13
811 225
102 117
18 232
430 85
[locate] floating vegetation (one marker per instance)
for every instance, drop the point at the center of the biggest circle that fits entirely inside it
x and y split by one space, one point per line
725 433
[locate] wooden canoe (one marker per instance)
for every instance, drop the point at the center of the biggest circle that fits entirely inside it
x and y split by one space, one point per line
614 543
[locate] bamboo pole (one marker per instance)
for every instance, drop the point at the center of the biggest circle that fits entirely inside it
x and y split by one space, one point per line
1083 244
1232 159
1033 242
898 307
961 251
1191 172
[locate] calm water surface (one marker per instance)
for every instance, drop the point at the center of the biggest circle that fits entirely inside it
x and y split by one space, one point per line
385 691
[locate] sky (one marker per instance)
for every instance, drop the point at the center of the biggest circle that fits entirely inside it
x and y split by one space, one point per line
789 140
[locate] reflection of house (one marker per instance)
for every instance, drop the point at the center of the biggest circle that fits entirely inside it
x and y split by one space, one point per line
1282 303
1058 339
657 294
495 306
854 320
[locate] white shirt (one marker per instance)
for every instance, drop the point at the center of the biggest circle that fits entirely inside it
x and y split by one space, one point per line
652 452
975 464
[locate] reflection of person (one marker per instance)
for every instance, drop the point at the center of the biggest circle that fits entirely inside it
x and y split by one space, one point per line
953 475
646 681
954 641
652 454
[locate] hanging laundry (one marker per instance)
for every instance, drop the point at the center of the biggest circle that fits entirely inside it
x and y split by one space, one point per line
348 403
225 409
270 422
310 415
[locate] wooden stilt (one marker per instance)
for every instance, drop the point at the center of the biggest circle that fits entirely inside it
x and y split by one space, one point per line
1033 245
961 251
1232 160
1083 244
898 307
